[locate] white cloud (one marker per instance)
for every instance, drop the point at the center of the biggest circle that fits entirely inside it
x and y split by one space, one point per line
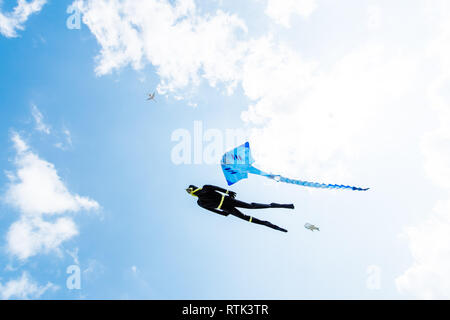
67 143
32 235
429 240
436 150
183 45
23 288
39 119
429 243
374 17
19 144
68 136
282 11
305 130
13 21
37 191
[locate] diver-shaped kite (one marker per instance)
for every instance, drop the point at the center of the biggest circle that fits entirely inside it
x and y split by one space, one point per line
223 202
237 164
311 227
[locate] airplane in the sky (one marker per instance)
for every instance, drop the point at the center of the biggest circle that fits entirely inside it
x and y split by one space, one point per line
151 96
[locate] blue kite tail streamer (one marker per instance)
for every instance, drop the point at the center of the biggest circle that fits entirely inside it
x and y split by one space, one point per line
313 184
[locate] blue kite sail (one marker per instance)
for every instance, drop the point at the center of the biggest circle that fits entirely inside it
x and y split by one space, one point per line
237 164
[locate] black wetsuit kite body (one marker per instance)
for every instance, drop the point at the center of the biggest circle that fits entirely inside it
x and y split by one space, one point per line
222 202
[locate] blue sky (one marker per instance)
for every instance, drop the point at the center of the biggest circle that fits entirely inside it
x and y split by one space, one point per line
339 93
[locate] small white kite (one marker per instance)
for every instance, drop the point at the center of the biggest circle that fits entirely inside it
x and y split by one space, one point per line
311 227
